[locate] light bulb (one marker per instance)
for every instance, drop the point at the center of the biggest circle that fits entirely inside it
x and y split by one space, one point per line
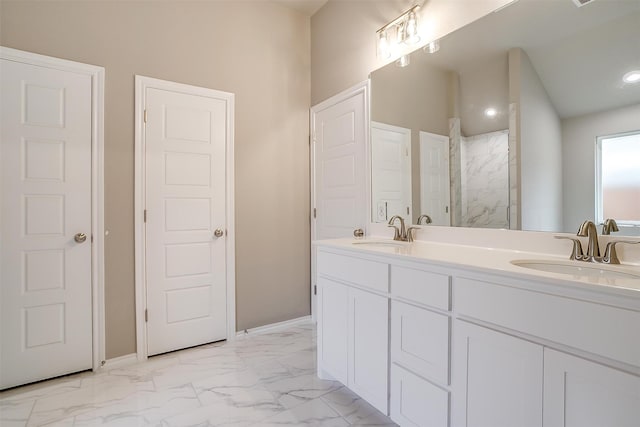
490 112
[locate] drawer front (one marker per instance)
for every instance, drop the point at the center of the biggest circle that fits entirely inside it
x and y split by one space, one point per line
420 341
422 287
361 272
417 402
600 329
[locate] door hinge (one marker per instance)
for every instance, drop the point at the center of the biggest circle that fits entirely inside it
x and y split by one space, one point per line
315 289
92 238
146 315
407 210
145 116
145 215
446 209
309 139
315 213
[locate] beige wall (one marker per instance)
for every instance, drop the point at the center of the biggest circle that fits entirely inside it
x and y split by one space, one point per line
343 42
540 147
579 136
257 50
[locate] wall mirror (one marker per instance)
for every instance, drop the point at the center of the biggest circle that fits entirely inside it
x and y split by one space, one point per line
499 127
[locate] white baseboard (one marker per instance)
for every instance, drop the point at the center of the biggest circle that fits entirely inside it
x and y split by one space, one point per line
273 327
119 362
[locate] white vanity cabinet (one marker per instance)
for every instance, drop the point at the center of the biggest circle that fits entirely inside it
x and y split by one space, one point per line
450 346
353 325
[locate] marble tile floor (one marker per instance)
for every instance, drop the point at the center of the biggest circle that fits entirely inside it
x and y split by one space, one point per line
262 380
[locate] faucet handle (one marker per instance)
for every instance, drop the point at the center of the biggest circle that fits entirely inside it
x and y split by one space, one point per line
396 232
610 255
576 252
410 231
608 226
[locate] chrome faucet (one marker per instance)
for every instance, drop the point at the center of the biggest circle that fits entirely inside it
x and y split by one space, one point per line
402 234
608 226
588 229
426 218
399 234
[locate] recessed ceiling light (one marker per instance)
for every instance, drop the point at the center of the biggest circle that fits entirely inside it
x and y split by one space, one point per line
632 77
490 112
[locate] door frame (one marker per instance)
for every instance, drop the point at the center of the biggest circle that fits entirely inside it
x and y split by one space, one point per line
143 83
97 75
363 87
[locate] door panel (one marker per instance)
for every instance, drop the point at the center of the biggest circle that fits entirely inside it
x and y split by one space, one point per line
185 203
434 178
390 171
45 156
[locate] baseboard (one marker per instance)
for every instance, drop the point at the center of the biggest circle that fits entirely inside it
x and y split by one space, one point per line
119 362
273 327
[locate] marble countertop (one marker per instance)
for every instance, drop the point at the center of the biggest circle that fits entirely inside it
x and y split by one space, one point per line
491 260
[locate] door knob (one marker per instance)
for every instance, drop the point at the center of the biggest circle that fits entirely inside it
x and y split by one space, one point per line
358 232
219 232
80 237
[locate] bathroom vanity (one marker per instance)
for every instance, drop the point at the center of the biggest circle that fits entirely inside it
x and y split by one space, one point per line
438 334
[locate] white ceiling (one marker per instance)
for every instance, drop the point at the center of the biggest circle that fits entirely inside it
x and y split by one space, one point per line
580 54
307 7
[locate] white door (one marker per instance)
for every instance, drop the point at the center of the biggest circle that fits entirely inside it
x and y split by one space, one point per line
185 139
46 292
580 393
390 172
340 191
434 178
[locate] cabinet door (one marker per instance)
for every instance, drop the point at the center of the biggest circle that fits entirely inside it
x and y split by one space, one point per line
369 347
579 393
420 341
497 379
332 330
415 402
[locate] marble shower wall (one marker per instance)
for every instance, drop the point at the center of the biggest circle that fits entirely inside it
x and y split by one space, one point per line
484 177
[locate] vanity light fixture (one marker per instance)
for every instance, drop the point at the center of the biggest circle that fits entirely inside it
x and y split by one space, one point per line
401 31
632 77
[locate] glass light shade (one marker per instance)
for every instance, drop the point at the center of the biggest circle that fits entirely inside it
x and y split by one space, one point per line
403 61
411 29
432 47
384 50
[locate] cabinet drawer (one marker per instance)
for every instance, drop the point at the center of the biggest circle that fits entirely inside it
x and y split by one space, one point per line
362 272
420 341
421 286
417 402
596 328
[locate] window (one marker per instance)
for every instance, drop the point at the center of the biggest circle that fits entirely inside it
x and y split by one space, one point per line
618 178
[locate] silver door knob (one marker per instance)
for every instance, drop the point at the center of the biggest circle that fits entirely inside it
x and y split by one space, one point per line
219 232
80 237
358 232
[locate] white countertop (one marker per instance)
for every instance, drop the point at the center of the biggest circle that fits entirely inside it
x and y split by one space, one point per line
490 260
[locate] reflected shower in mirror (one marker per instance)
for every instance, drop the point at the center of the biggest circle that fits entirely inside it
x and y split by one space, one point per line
498 128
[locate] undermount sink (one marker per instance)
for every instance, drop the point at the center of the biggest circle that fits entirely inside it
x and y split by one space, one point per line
381 243
577 268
